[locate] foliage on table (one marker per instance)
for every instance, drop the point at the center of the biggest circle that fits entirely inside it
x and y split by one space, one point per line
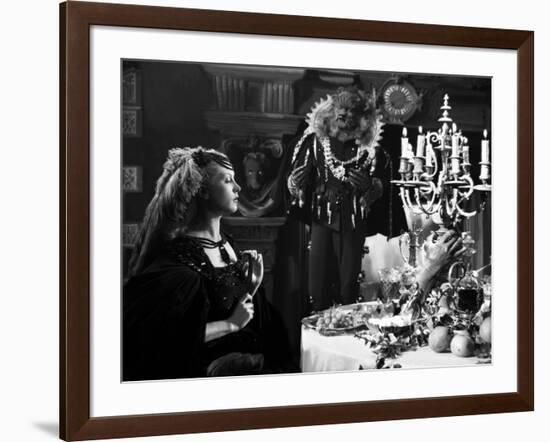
425 313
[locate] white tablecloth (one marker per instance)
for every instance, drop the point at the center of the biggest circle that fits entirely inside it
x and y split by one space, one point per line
344 353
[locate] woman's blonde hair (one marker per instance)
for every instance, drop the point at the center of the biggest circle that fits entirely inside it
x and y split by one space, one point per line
174 204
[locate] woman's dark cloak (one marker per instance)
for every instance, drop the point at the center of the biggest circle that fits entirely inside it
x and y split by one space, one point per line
165 312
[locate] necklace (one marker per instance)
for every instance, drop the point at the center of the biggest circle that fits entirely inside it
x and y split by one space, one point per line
210 244
337 166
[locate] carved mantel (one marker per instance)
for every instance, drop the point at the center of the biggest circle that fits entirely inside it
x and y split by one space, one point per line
243 124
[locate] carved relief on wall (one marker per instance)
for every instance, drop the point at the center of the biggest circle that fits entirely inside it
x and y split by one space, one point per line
129 234
131 121
257 160
132 178
131 103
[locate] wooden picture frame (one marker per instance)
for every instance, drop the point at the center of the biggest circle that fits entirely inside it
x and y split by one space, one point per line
75 21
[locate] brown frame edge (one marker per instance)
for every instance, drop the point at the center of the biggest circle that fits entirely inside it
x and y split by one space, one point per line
75 420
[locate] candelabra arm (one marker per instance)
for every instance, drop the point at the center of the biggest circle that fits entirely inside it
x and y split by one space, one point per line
464 197
440 178
402 194
451 204
468 178
464 213
410 205
429 210
434 156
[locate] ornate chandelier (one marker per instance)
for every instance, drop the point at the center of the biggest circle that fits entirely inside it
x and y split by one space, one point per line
435 179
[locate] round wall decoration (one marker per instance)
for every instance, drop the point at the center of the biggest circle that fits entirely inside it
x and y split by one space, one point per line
399 100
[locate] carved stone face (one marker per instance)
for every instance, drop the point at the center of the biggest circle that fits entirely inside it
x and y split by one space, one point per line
254 174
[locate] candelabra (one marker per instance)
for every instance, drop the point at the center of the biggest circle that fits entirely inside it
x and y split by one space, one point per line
436 180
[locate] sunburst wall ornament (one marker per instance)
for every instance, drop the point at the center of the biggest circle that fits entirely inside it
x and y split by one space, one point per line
399 100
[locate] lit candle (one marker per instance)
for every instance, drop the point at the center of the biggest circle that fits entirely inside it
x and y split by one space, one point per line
485 148
418 165
454 146
404 143
455 152
429 155
420 143
455 166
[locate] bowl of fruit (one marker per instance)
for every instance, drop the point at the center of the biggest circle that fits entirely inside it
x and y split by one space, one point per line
341 319
397 325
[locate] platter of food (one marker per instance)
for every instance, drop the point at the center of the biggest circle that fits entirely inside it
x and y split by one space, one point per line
343 318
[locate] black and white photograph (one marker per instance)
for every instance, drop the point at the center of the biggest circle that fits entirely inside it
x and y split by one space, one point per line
293 220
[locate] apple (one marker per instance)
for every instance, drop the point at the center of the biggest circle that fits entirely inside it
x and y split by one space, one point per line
462 344
439 339
485 330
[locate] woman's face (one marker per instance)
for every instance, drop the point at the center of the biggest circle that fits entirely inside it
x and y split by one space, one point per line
222 190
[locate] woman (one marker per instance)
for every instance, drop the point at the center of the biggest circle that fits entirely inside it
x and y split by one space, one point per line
192 306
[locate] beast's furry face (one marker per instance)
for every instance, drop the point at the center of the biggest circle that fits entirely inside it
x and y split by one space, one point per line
352 117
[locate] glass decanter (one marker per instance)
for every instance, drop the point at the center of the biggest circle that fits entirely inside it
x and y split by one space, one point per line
468 295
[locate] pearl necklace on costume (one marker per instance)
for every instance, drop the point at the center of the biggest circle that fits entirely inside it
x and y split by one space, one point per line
335 165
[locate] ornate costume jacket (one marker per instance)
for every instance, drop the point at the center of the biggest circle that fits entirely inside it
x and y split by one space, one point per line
336 204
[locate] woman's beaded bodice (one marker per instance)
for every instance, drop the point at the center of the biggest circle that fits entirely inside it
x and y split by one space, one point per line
224 285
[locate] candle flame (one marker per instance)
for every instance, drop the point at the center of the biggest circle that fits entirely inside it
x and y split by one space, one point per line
404 132
419 129
484 133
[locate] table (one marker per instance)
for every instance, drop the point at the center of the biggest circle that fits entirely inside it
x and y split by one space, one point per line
345 353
